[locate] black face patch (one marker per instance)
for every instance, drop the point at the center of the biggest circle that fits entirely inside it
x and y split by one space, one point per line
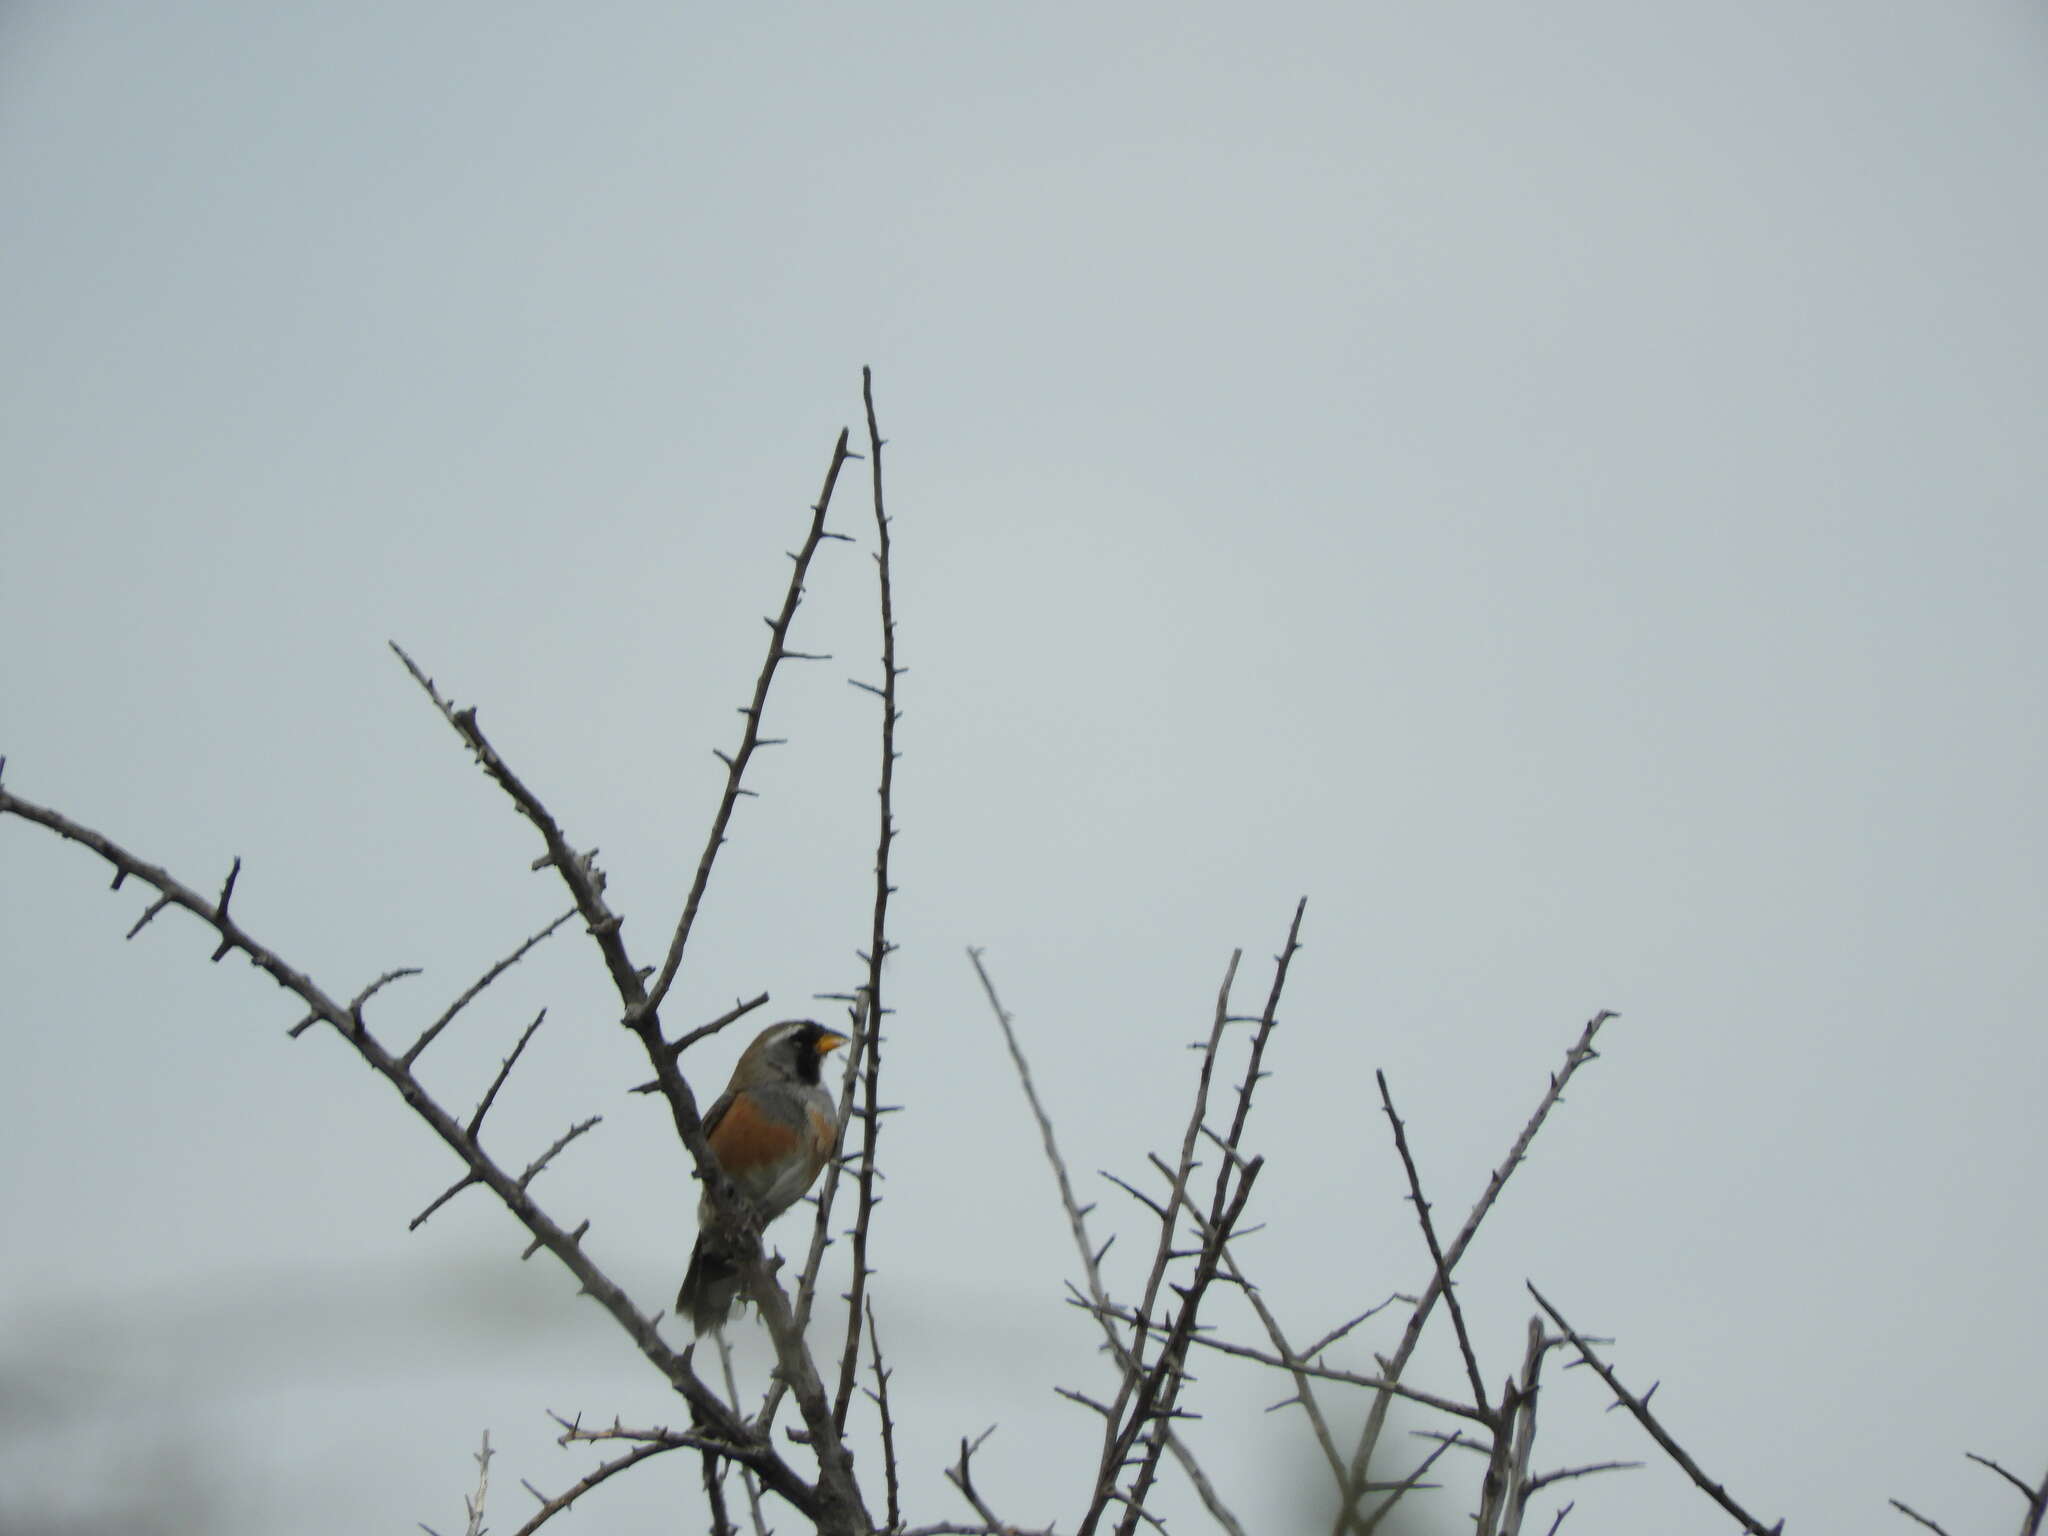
809 1064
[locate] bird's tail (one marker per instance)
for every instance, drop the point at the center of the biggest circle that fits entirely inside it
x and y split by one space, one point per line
710 1286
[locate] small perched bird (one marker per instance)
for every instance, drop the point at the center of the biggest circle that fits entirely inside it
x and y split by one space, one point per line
771 1130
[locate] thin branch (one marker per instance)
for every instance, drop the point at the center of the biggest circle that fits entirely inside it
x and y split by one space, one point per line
881 1397
1091 1257
748 1482
476 1121
961 1476
1327 1373
1577 1056
878 932
427 1036
750 738
2026 1492
1436 1253
608 1470
1910 1512
1562 1474
533 1168
1412 1482
1641 1409
1159 1394
2037 1499
579 871
473 1504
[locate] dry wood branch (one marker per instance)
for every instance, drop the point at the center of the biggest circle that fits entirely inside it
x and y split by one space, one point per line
2037 1498
1158 1393
1097 1302
579 871
476 1121
549 1508
427 1035
1911 1513
1577 1056
961 1476
1436 1252
750 740
878 933
748 1482
473 1504
534 1168
1563 1474
1308 1368
1413 1482
1639 1406
880 1396
1304 1393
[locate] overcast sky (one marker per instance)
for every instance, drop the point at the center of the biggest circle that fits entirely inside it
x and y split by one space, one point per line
1559 486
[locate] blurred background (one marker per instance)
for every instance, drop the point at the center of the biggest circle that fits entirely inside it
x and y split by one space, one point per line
1558 486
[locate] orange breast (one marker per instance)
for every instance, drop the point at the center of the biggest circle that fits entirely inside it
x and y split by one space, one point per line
749 1145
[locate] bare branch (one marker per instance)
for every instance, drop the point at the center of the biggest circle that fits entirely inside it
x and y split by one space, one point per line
533 1168
1544 1480
1091 1257
878 933
750 740
1577 1056
476 1121
1436 1253
881 1397
578 871
427 1036
1911 1513
474 1504
2037 1498
1641 1409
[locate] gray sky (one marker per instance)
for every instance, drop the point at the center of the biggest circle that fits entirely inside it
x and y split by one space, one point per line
1558 486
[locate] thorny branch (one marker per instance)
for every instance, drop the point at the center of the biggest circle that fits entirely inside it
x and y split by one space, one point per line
1098 1301
1640 1407
751 739
872 1109
1348 1513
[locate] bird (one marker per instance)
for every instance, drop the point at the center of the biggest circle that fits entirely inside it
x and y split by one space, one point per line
772 1130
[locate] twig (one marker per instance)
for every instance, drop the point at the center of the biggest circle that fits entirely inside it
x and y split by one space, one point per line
1436 1253
427 1036
878 934
881 1398
750 738
1091 1258
1159 1393
533 1168
1911 1513
476 1121
961 1476
2037 1499
1641 1409
732 1393
1577 1056
474 1504
1326 1373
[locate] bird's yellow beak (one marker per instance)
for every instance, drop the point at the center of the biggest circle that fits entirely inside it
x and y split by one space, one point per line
829 1042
